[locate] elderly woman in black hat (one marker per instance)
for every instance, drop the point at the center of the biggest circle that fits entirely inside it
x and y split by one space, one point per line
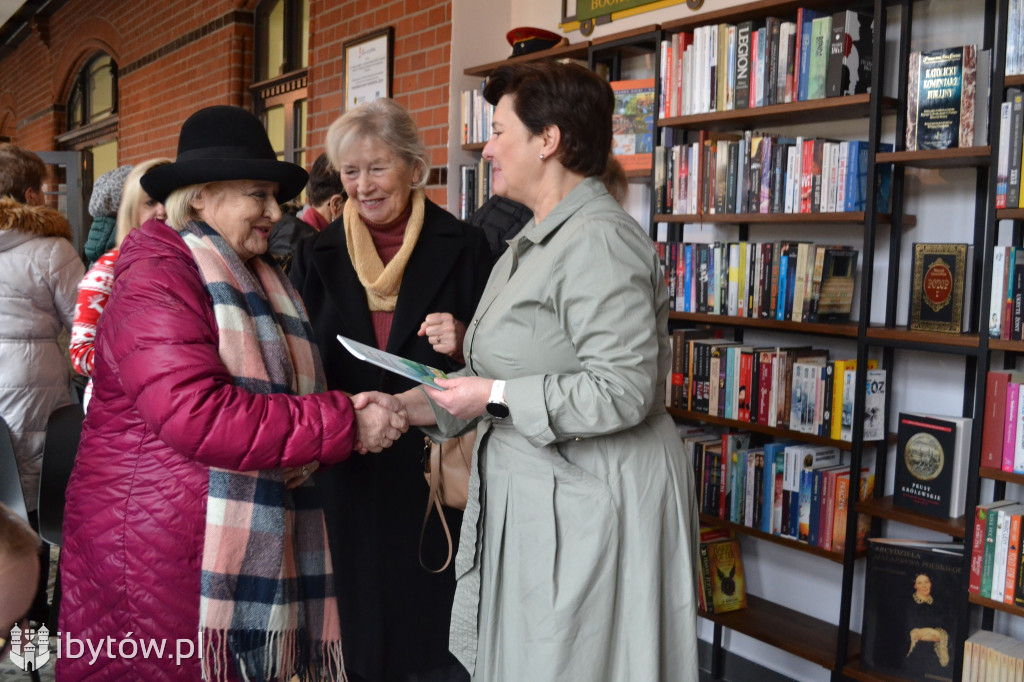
399 273
188 516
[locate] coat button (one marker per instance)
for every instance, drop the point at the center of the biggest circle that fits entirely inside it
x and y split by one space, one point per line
578 439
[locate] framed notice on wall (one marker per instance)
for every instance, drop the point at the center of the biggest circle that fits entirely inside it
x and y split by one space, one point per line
369 65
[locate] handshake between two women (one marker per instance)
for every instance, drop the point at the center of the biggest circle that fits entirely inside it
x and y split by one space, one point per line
379 420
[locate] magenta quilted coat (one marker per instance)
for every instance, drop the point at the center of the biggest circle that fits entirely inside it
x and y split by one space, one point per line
163 411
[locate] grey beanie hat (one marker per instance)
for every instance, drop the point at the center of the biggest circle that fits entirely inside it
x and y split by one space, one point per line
106 192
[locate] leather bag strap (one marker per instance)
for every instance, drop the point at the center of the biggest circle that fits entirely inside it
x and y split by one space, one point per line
432 458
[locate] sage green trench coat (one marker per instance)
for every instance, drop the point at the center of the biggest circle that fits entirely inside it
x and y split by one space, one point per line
577 554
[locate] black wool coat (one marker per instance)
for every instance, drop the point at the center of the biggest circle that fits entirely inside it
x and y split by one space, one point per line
394 614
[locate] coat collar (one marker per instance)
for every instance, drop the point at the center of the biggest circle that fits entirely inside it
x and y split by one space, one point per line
38 221
427 270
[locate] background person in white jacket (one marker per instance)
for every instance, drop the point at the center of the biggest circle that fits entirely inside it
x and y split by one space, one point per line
37 299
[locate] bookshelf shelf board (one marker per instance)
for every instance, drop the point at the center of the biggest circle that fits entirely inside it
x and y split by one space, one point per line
777 539
624 36
474 146
1006 344
748 10
639 173
997 605
792 113
573 50
759 428
960 157
1014 81
999 475
784 628
1010 214
936 341
854 671
844 217
883 508
816 328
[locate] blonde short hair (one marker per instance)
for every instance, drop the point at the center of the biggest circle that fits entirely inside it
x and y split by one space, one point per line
132 195
387 121
179 205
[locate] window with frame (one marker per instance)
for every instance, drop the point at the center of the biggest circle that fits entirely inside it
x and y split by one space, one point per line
91 113
282 58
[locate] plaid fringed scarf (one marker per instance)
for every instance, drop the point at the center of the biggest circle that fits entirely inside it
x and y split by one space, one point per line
268 601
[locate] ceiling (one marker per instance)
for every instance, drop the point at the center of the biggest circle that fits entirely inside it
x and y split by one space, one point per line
8 8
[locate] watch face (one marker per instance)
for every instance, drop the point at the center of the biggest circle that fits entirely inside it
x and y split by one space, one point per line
497 410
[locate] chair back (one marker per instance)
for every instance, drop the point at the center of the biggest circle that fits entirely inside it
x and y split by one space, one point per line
63 431
11 493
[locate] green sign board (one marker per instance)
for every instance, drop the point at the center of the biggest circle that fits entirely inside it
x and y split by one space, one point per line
589 9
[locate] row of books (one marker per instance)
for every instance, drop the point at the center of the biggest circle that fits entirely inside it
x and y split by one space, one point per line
770 61
788 489
995 554
1007 293
723 587
797 388
991 656
785 281
1009 163
474 187
1002 436
723 173
947 98
477 115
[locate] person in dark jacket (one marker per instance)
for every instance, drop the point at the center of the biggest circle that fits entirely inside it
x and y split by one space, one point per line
187 515
400 274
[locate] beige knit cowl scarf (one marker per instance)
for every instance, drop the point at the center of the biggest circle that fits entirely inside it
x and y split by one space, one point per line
381 282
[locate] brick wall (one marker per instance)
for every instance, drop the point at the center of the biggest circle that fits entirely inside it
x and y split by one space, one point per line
421 65
175 57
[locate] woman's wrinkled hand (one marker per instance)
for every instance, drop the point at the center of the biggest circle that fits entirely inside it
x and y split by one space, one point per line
296 476
463 397
445 334
380 420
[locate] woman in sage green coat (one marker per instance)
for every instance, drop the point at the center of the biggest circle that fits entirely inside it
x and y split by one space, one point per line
576 560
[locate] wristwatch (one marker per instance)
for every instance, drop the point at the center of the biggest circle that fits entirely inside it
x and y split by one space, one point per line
496 405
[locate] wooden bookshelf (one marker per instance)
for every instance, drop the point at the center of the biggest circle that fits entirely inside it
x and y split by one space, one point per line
786 629
843 217
750 10
883 508
998 475
740 529
758 428
570 51
815 328
1010 214
903 337
1014 81
792 113
474 146
997 605
1007 345
966 157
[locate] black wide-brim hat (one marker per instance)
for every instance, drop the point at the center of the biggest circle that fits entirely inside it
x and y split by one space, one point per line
224 143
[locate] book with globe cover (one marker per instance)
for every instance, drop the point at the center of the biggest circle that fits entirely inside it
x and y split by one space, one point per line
931 464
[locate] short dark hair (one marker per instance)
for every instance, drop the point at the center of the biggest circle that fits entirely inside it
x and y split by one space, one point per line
575 99
324 182
20 171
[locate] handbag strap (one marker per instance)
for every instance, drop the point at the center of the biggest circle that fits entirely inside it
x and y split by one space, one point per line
433 460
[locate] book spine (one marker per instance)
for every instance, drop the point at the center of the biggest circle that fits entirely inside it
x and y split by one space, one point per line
977 550
828 511
1012 559
988 558
999 558
842 497
706 598
743 39
834 68
995 420
1010 428
1016 132
815 508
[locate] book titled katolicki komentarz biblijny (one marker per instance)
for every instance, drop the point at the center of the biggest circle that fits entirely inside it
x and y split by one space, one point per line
941 98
